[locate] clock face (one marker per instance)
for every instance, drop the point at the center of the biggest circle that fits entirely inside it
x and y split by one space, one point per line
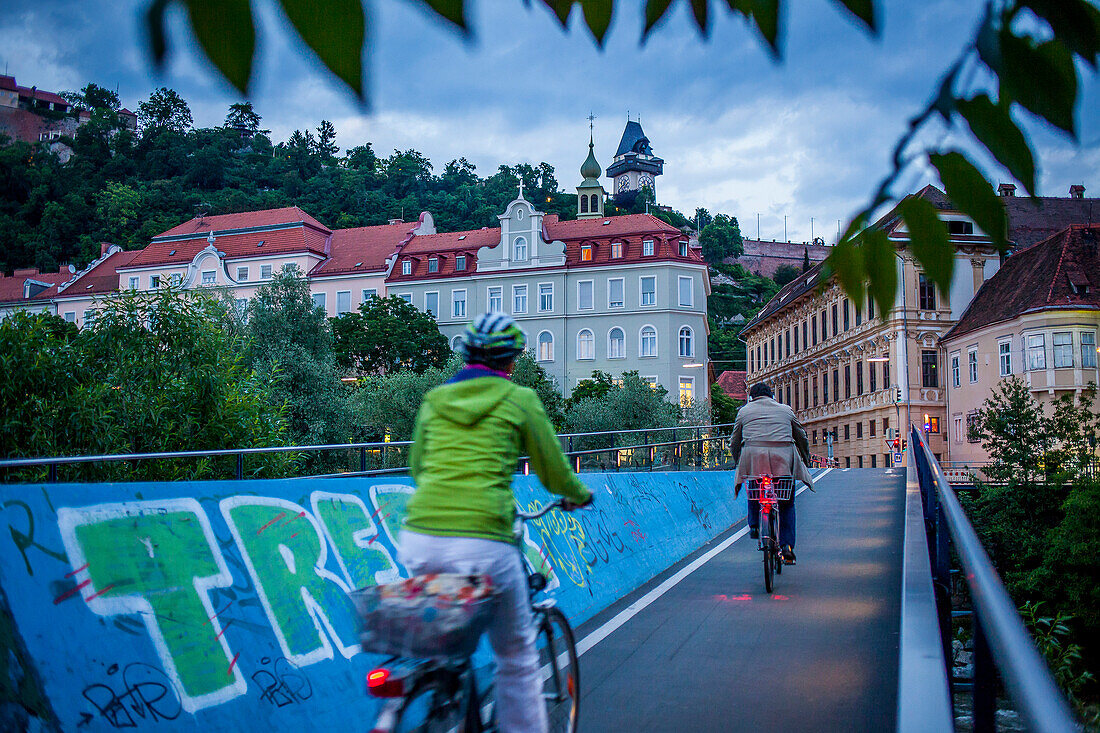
646 181
622 184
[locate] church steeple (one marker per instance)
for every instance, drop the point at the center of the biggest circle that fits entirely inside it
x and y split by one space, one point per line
590 193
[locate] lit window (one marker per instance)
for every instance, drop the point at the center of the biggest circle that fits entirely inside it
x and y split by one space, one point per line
586 345
649 341
546 346
687 391
586 253
546 297
616 250
1036 352
1063 350
687 342
647 248
1004 351
519 298
519 249
496 299
616 344
458 303
584 295
649 291
1088 349
615 293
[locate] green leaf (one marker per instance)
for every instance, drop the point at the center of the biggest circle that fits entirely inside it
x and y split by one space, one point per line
993 127
1041 78
880 264
699 10
597 14
846 263
765 15
929 241
453 11
225 30
158 41
972 195
561 9
988 42
863 10
1076 23
335 35
654 11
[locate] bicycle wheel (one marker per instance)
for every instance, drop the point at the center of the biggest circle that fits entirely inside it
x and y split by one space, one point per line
768 539
560 671
432 708
778 552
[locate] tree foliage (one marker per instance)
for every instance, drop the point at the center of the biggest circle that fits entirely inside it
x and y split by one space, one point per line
387 335
721 238
165 110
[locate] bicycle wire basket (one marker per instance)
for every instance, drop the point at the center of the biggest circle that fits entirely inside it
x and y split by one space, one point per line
780 489
438 616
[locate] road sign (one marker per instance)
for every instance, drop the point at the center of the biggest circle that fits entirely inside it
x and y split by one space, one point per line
897 458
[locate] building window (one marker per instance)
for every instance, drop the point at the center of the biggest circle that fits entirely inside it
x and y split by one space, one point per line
886 375
1036 352
871 425
687 391
209 277
433 264
805 343
648 341
265 272
687 342
369 293
859 430
647 248
972 433
584 204
836 323
859 315
847 324
431 303
1063 350
133 283
683 249
586 253
794 328
649 291
859 377
586 345
242 274
926 293
519 249
519 298
933 424
805 394
847 381
595 203
787 339
496 299
871 372
319 300
584 295
955 378
616 250
824 388
615 293
1088 349
343 301
406 267
824 335
813 437
847 431
616 344
874 460
836 385
687 295
1004 352
929 365
860 462
958 420
813 327
70 316
456 342
870 306
813 384
546 297
546 346
460 263
458 303
972 364
154 281
407 297
772 345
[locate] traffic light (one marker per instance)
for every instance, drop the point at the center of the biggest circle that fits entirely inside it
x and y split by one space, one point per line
897 393
897 445
927 424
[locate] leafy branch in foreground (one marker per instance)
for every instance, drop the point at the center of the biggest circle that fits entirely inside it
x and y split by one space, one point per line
1027 48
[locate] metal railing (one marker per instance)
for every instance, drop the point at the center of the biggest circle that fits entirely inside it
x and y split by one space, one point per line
1001 643
680 446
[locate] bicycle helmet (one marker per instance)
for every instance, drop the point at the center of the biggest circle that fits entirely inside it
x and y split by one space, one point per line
492 339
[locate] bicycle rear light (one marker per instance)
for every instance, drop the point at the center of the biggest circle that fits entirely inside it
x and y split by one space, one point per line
382 682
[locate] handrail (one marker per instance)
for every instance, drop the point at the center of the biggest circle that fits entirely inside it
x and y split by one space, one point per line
924 695
1024 671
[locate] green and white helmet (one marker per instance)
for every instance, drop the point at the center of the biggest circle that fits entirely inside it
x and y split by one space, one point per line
493 338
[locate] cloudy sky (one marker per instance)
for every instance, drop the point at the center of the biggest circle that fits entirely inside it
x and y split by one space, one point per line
800 144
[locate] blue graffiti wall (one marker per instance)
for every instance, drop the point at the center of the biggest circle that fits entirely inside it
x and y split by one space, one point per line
223 605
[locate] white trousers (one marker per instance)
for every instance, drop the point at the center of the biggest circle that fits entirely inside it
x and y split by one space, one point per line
518 690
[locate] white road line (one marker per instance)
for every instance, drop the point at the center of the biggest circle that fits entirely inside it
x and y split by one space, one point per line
637 606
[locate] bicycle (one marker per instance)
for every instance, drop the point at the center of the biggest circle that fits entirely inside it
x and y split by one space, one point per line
433 695
768 492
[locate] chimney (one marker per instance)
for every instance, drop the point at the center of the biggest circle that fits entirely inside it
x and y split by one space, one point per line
103 247
1077 191
1006 190
396 221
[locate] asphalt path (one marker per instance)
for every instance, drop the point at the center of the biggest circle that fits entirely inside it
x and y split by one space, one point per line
717 653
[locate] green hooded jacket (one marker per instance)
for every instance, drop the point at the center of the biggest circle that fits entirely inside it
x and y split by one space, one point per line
467 442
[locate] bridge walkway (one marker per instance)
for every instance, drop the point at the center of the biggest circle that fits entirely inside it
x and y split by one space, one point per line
715 652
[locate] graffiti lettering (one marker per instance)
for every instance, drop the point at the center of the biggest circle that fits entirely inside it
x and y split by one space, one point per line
146 695
351 531
24 540
283 684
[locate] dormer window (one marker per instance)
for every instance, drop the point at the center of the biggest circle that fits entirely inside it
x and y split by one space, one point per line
460 263
616 250
647 248
960 227
433 264
586 253
683 249
406 267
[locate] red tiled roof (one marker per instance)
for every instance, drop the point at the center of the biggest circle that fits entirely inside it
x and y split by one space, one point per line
446 245
362 249
43 95
8 82
103 278
1033 219
243 220
11 288
733 384
247 244
1048 275
596 228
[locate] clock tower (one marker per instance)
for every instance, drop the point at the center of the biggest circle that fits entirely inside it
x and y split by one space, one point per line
635 166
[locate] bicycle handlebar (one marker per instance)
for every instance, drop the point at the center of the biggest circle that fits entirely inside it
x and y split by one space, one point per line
559 503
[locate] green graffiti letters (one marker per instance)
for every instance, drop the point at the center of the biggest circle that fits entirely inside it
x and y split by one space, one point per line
354 536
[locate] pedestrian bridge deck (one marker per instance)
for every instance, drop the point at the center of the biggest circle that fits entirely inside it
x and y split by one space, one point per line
715 652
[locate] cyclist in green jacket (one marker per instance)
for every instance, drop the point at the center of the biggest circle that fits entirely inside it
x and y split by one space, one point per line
469 435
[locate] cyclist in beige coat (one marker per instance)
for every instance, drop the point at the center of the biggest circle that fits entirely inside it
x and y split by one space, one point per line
768 439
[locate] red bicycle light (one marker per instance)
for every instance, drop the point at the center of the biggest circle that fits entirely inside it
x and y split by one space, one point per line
382 683
766 480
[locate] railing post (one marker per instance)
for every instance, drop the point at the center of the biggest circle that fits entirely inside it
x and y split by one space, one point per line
52 474
363 460
985 690
240 466
698 448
